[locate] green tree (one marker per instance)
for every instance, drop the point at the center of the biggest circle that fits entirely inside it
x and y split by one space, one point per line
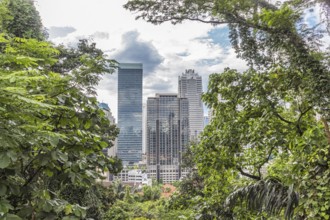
151 192
23 20
52 131
274 116
4 14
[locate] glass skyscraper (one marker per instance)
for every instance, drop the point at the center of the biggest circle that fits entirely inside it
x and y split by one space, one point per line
190 87
130 77
113 150
167 135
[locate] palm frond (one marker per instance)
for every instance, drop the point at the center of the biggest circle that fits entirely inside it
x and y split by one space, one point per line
268 195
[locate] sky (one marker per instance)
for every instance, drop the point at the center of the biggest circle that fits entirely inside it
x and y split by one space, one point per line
165 50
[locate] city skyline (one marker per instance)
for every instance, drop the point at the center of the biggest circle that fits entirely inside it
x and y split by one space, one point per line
165 50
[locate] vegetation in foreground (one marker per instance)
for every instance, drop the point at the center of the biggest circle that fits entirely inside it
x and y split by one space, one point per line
265 154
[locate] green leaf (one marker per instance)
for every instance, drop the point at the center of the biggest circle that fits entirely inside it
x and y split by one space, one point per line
31 101
62 157
103 144
88 124
68 209
70 218
12 154
12 217
3 189
47 207
49 173
5 206
54 155
4 160
54 141
25 211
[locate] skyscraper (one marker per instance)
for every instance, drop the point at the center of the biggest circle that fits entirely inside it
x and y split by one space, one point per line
167 135
190 87
113 150
130 112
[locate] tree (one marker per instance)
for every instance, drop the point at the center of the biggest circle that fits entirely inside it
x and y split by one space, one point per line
274 116
51 130
4 14
23 20
151 192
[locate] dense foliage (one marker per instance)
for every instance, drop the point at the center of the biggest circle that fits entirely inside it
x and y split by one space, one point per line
23 19
268 144
145 203
51 130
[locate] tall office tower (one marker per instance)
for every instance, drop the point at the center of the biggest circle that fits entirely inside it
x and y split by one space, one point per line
113 150
190 87
130 112
167 136
144 128
107 111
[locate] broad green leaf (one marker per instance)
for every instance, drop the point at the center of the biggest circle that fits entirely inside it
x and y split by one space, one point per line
5 206
62 156
88 124
47 207
103 144
4 160
54 141
70 218
68 209
3 189
12 217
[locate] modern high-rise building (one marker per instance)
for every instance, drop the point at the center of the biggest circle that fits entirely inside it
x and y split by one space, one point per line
129 145
190 87
106 109
167 136
113 150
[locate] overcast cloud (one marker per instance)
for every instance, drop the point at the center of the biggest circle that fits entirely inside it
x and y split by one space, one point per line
55 32
135 50
165 50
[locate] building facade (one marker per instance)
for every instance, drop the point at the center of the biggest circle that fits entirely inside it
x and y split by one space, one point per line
111 152
167 136
129 144
190 87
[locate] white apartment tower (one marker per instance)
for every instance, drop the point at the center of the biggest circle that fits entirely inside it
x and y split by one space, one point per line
190 87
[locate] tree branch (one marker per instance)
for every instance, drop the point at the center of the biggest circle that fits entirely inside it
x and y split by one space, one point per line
266 160
247 174
277 114
281 118
326 129
178 19
299 119
32 177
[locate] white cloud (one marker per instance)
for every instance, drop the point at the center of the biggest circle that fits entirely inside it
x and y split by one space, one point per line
166 43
